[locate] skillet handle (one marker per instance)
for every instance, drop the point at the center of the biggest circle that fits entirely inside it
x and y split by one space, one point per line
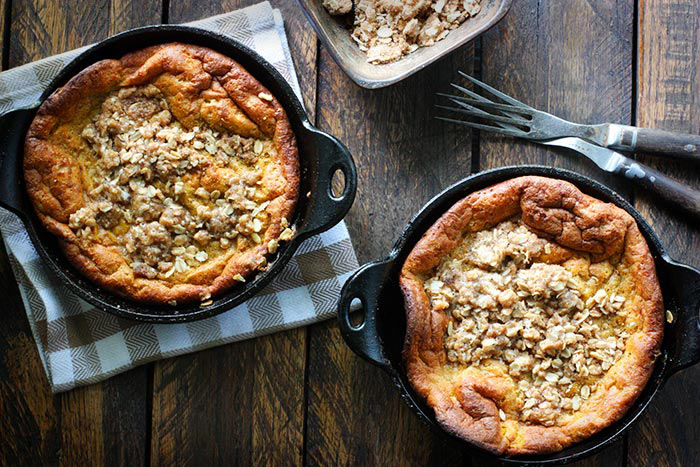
366 285
329 155
685 329
12 129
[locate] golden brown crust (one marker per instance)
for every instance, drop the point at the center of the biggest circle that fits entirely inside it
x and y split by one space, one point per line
467 403
202 87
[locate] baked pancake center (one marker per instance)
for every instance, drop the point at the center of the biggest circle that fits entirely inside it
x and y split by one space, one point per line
169 197
529 308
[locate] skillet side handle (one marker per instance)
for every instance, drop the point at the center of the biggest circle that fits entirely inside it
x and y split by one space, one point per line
363 338
685 329
329 155
12 128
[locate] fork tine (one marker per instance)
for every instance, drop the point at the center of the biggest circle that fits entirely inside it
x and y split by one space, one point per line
464 104
482 114
516 119
478 126
468 92
485 100
490 105
493 91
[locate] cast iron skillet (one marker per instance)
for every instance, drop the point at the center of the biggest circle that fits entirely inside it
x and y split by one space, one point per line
379 337
320 155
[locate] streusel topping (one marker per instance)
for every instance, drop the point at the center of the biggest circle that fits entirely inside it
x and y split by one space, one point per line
388 29
147 183
338 7
546 316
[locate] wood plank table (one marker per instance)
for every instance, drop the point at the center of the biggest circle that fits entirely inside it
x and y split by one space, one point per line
302 397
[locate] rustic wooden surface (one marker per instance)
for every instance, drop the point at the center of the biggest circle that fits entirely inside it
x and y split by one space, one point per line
668 97
301 397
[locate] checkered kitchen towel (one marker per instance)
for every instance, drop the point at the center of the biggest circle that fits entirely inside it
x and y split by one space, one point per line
80 345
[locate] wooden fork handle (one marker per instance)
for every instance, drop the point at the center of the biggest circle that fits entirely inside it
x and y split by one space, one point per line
653 141
672 191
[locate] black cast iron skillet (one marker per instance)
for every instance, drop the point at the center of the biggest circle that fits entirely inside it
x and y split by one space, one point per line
379 336
320 156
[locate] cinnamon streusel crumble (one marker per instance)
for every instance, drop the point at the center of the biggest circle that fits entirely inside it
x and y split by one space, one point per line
142 199
554 330
388 29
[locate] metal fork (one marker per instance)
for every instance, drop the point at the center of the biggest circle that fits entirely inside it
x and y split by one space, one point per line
514 118
539 125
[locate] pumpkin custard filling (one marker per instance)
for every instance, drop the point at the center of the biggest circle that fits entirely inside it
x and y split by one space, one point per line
168 176
533 316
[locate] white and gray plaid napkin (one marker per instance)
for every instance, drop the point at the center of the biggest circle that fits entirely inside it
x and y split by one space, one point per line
80 345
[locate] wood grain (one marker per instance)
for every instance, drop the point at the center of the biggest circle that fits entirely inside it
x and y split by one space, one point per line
4 18
128 14
570 58
662 142
239 404
404 157
30 419
105 421
230 405
668 97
